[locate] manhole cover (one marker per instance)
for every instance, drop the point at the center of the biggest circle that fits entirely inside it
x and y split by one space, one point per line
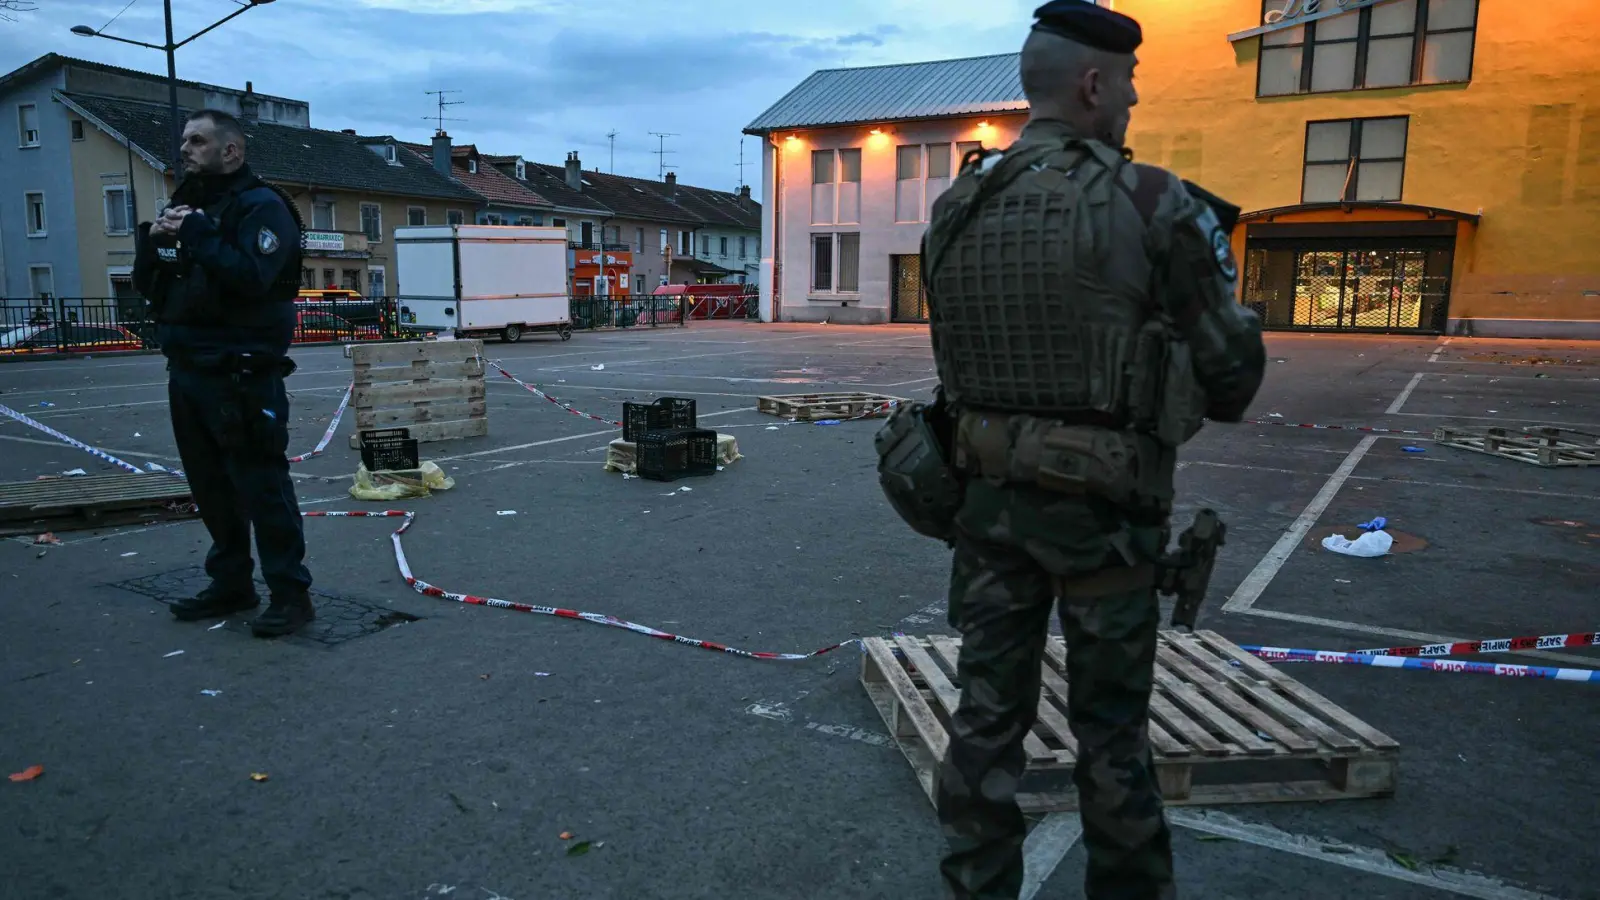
339 619
1403 543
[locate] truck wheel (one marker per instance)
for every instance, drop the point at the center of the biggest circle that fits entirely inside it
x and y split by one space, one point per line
512 334
565 331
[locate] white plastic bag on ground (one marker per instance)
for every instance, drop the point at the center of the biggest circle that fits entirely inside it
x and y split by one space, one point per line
1369 544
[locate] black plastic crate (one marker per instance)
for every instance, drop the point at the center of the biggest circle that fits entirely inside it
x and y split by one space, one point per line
389 450
667 412
673 453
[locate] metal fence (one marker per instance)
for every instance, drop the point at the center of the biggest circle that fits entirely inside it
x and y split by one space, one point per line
77 325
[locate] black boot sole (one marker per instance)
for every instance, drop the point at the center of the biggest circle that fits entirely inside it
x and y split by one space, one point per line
197 613
281 629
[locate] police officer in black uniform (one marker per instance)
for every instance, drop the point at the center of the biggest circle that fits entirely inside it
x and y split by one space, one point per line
221 269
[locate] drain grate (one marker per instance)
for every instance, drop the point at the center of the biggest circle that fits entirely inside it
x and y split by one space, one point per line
339 619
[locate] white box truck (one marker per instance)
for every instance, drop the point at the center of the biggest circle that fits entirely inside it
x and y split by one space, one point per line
481 280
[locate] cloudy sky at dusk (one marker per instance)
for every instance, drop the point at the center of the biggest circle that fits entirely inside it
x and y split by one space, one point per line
536 77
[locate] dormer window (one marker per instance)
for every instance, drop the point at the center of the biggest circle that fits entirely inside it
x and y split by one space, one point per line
389 155
472 166
522 170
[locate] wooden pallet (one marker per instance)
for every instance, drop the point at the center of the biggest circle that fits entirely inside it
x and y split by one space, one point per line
434 388
811 407
1219 733
93 501
1548 447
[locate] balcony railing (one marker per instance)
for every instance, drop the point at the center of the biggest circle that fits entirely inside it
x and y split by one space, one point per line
607 247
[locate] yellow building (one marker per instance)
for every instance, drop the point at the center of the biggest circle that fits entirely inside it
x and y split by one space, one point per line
1404 165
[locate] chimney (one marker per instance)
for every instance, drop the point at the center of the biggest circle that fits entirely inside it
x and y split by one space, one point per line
744 195
347 131
249 106
574 171
672 185
441 153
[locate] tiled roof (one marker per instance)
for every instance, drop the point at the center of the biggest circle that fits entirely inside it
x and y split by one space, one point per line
951 87
551 181
288 155
622 197
50 61
718 207
488 182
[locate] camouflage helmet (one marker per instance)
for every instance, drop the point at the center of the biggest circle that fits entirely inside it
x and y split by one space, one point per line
914 474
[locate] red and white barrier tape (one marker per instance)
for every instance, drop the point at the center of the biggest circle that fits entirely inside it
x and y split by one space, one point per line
10 413
1493 645
577 412
1283 654
428 590
327 437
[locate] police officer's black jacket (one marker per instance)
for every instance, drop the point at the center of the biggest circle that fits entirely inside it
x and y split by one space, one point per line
227 282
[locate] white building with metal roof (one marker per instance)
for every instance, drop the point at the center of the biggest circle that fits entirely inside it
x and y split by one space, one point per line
852 162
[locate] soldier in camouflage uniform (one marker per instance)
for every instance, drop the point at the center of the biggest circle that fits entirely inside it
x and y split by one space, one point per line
1083 323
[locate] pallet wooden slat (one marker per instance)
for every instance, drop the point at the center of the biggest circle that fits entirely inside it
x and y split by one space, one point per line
949 697
1054 722
94 501
436 389
1211 750
839 405
1543 446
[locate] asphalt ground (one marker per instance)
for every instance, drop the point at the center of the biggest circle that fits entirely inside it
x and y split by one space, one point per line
445 755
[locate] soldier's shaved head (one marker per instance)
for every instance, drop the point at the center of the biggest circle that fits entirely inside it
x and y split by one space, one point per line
1078 84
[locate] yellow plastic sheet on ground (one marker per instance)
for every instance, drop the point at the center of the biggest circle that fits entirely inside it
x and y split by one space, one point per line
400 485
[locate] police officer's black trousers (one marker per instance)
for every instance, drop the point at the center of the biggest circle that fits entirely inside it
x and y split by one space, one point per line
238 486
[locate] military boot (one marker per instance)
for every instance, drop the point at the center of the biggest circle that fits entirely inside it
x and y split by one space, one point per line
286 614
216 601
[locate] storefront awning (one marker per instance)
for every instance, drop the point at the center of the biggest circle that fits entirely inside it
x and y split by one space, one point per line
1360 210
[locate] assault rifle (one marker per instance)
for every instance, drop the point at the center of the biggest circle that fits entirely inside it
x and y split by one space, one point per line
1186 573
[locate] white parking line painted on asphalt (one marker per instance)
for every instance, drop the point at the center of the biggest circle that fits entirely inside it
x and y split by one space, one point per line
1250 589
1363 859
571 437
1044 849
1404 395
1440 349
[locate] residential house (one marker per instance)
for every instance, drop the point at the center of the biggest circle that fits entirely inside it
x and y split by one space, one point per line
505 201
728 244
69 195
854 159
599 259
351 191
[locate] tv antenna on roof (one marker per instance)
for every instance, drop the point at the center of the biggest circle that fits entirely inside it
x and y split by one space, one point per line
661 154
440 116
741 164
612 137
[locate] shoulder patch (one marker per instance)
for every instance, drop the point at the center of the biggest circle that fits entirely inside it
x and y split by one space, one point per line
266 241
1222 254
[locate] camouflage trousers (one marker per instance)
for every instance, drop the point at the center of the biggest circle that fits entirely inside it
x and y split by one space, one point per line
1016 548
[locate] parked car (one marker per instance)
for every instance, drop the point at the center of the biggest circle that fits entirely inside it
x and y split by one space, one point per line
314 327
71 336
344 303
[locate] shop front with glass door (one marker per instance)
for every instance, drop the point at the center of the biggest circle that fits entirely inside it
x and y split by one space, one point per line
1349 282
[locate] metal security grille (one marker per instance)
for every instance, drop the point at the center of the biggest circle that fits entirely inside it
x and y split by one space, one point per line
1383 288
910 302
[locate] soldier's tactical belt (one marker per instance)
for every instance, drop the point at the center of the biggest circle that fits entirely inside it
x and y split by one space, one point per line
1080 460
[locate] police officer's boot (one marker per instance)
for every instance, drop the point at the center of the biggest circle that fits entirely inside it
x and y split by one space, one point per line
286 614
216 601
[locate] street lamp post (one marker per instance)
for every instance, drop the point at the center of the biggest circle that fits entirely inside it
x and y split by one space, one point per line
171 49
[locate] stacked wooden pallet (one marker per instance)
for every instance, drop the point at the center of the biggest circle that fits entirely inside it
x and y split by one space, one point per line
1225 727
434 388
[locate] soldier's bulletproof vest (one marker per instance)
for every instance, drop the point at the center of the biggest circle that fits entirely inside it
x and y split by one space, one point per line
1041 292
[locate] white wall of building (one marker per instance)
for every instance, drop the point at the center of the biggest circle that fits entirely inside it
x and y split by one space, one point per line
864 223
